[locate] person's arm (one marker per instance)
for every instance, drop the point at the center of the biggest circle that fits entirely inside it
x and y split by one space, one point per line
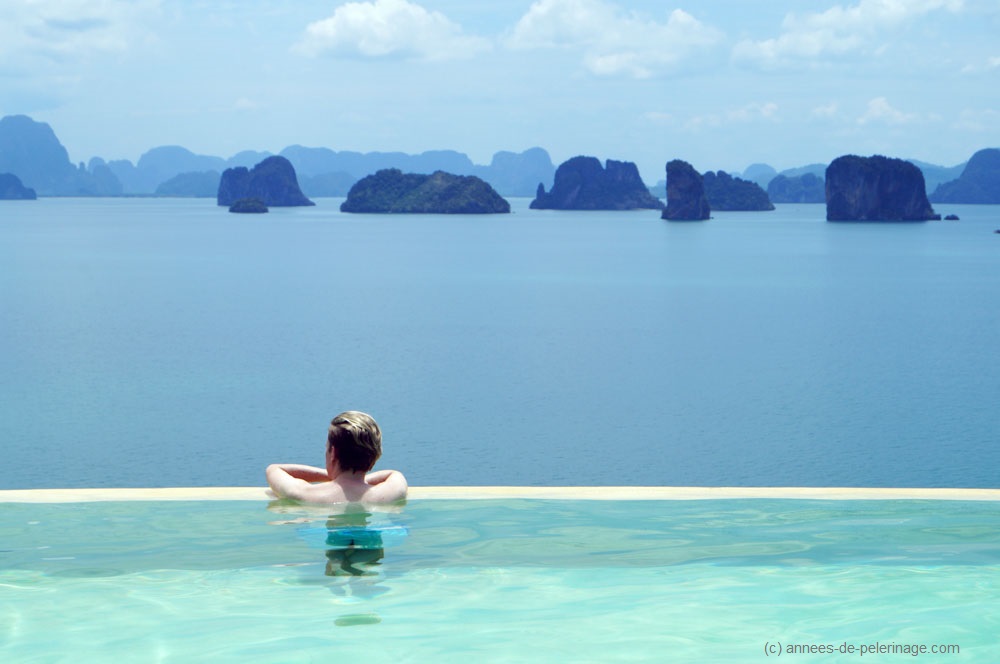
391 484
290 480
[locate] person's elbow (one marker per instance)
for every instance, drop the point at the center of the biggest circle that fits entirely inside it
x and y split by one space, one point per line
398 484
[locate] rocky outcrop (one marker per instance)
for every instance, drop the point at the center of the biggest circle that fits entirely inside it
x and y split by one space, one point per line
875 189
11 189
581 183
273 181
724 192
392 191
248 206
807 188
686 200
979 183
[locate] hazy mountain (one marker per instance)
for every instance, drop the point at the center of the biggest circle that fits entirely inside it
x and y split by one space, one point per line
935 175
31 151
518 174
979 182
319 161
762 174
203 184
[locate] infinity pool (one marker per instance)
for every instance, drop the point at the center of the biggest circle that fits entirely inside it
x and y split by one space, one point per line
499 580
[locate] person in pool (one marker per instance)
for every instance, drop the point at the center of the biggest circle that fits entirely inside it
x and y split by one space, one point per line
353 445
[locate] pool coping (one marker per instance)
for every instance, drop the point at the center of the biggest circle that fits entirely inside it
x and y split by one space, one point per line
508 492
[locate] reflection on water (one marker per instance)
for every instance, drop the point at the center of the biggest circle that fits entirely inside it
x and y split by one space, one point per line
355 549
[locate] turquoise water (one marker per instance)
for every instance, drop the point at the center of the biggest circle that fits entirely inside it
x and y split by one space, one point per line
498 581
151 342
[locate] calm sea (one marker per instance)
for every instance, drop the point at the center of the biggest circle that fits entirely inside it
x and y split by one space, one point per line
154 342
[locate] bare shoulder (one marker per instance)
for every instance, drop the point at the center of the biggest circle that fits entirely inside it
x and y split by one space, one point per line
386 486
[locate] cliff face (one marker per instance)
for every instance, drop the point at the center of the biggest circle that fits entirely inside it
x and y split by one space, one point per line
724 192
875 189
272 181
392 191
11 189
979 183
686 200
581 183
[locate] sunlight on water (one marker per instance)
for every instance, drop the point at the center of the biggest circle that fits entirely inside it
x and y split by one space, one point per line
511 580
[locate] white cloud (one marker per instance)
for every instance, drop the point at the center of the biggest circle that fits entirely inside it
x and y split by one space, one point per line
381 28
837 31
612 41
989 65
975 120
751 112
62 30
826 111
880 110
659 117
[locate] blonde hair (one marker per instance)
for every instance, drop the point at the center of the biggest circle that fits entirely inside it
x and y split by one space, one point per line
356 439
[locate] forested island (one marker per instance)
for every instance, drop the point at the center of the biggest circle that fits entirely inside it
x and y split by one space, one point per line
393 192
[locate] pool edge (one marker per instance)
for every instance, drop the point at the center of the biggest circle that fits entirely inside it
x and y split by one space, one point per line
498 492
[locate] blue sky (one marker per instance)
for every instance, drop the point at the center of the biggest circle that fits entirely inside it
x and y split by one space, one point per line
719 83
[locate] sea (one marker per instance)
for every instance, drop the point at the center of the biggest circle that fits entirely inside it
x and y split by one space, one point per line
166 342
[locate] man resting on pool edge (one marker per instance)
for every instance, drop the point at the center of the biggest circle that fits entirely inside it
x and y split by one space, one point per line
353 445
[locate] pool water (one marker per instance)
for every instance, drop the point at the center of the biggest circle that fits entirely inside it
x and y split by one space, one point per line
508 580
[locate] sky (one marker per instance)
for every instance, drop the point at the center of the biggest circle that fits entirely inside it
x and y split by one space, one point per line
721 84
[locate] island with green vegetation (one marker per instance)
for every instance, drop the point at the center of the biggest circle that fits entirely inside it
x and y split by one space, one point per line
725 192
393 192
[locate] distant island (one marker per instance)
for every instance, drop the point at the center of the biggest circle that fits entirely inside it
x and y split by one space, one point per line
394 192
724 192
686 200
805 188
581 183
876 188
272 181
978 184
31 151
11 189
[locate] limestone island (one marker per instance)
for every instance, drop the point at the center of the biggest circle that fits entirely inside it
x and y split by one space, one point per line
876 188
686 200
272 181
581 183
248 206
394 192
11 189
725 192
